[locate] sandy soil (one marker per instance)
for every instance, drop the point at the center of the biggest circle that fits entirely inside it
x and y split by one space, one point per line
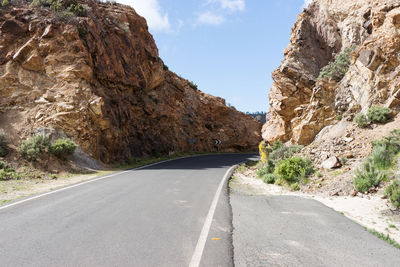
372 212
15 189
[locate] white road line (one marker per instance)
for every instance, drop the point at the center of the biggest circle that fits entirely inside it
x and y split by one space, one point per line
82 183
198 252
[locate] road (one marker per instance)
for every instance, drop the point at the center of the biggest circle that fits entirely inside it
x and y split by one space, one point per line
295 231
148 217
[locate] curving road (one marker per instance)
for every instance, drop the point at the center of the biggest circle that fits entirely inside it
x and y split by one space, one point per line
148 217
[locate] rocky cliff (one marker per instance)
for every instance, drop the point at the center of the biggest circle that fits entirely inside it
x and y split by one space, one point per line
301 104
99 80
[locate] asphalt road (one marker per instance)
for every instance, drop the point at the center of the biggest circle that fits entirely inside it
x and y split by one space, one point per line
294 231
148 217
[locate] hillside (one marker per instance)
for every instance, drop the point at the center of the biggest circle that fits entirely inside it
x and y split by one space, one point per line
91 71
301 104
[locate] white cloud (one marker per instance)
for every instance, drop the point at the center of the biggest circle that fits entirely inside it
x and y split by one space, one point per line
217 11
233 5
151 10
306 3
210 18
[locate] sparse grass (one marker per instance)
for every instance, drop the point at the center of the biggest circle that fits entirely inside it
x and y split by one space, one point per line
242 168
385 238
343 160
319 175
393 226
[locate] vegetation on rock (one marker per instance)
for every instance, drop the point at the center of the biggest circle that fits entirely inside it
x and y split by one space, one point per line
375 114
337 69
378 114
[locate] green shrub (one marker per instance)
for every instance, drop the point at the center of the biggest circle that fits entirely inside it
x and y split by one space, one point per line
63 147
269 178
38 3
7 172
361 120
3 144
378 114
284 152
5 3
368 176
165 67
382 158
393 192
276 145
390 143
82 31
193 85
79 10
56 6
32 148
295 187
294 169
337 69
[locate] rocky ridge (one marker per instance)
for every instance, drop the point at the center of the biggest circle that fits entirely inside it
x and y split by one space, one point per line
99 80
302 105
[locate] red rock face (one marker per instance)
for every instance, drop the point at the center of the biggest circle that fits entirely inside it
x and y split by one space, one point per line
99 80
301 106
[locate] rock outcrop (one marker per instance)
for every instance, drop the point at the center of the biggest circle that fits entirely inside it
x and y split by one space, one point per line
300 104
99 80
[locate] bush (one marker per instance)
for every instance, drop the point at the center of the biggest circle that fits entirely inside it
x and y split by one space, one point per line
379 114
3 144
368 176
277 145
269 178
79 10
295 187
7 172
337 69
5 3
32 148
38 3
294 169
62 148
393 192
391 142
382 158
284 152
361 120
193 85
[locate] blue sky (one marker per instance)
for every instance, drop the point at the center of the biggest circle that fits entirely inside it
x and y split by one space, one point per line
227 47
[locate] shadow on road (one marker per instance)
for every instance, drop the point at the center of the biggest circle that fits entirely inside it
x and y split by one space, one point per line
203 162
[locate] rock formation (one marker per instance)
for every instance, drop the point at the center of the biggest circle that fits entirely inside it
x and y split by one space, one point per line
300 104
99 80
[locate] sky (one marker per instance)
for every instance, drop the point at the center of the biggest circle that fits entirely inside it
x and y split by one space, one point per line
229 48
